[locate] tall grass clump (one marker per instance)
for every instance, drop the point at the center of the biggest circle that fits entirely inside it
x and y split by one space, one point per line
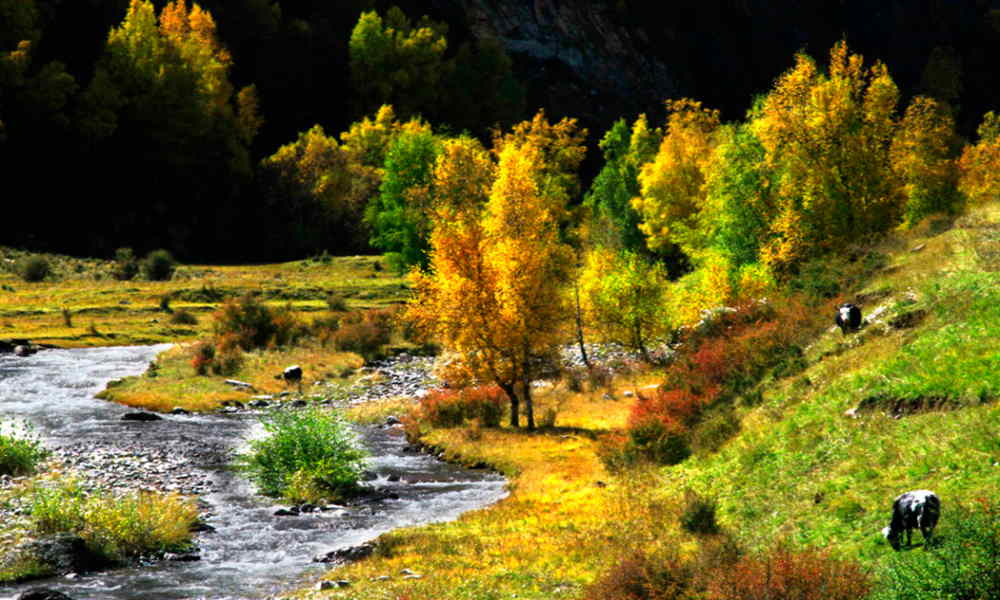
33 268
20 453
307 455
963 563
365 333
117 528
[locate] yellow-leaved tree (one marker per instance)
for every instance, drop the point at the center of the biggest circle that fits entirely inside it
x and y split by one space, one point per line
492 293
672 193
980 163
827 137
922 158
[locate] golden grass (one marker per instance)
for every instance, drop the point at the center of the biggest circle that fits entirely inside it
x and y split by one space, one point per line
563 522
176 385
106 312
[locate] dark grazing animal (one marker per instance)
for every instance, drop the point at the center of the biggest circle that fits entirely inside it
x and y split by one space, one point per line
848 318
292 375
917 509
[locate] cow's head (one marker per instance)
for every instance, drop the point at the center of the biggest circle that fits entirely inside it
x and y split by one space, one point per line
891 536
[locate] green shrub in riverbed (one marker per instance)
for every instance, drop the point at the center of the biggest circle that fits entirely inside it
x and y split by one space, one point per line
306 454
19 453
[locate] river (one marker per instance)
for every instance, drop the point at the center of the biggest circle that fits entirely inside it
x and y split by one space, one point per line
252 553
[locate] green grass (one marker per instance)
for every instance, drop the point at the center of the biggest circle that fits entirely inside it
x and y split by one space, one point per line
803 471
20 453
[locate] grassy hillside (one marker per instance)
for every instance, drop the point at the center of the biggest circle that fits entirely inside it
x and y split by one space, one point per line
103 311
920 381
908 402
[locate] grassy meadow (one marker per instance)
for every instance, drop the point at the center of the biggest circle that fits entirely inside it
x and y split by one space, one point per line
81 304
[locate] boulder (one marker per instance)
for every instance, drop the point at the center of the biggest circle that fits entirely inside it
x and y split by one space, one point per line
65 553
177 410
343 555
24 350
141 416
42 594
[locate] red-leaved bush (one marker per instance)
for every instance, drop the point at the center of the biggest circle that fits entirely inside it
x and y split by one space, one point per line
784 574
639 577
723 357
451 407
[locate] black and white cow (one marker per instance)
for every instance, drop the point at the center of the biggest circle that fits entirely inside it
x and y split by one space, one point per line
912 510
848 318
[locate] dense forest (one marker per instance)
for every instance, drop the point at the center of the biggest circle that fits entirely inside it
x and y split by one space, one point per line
244 130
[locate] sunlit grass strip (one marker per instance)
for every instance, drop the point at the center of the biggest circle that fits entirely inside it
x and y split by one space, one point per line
119 527
563 524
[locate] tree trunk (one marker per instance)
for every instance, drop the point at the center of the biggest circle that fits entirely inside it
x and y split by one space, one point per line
529 405
642 344
579 328
511 392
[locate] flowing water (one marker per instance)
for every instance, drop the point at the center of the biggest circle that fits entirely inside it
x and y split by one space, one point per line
251 553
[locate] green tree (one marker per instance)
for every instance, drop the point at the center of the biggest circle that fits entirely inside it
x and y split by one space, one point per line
614 222
398 216
740 207
623 295
162 85
396 61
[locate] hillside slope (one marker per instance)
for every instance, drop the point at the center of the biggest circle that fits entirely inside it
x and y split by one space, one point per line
906 403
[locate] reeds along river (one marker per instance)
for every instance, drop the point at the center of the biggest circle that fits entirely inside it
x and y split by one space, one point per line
252 553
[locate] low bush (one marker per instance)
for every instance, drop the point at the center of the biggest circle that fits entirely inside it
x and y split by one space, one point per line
33 268
20 452
126 265
311 448
698 515
365 333
250 324
964 564
117 528
640 577
159 265
451 408
183 317
784 573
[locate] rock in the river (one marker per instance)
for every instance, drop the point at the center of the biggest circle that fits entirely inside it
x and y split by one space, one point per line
177 410
42 594
325 585
287 512
392 420
65 553
141 416
183 557
350 554
23 350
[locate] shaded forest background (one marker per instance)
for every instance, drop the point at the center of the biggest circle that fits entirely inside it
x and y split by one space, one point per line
87 169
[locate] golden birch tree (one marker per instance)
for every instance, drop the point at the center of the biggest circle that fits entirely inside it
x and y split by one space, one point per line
492 292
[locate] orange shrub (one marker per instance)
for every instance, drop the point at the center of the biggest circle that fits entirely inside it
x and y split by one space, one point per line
726 355
787 574
451 408
642 578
